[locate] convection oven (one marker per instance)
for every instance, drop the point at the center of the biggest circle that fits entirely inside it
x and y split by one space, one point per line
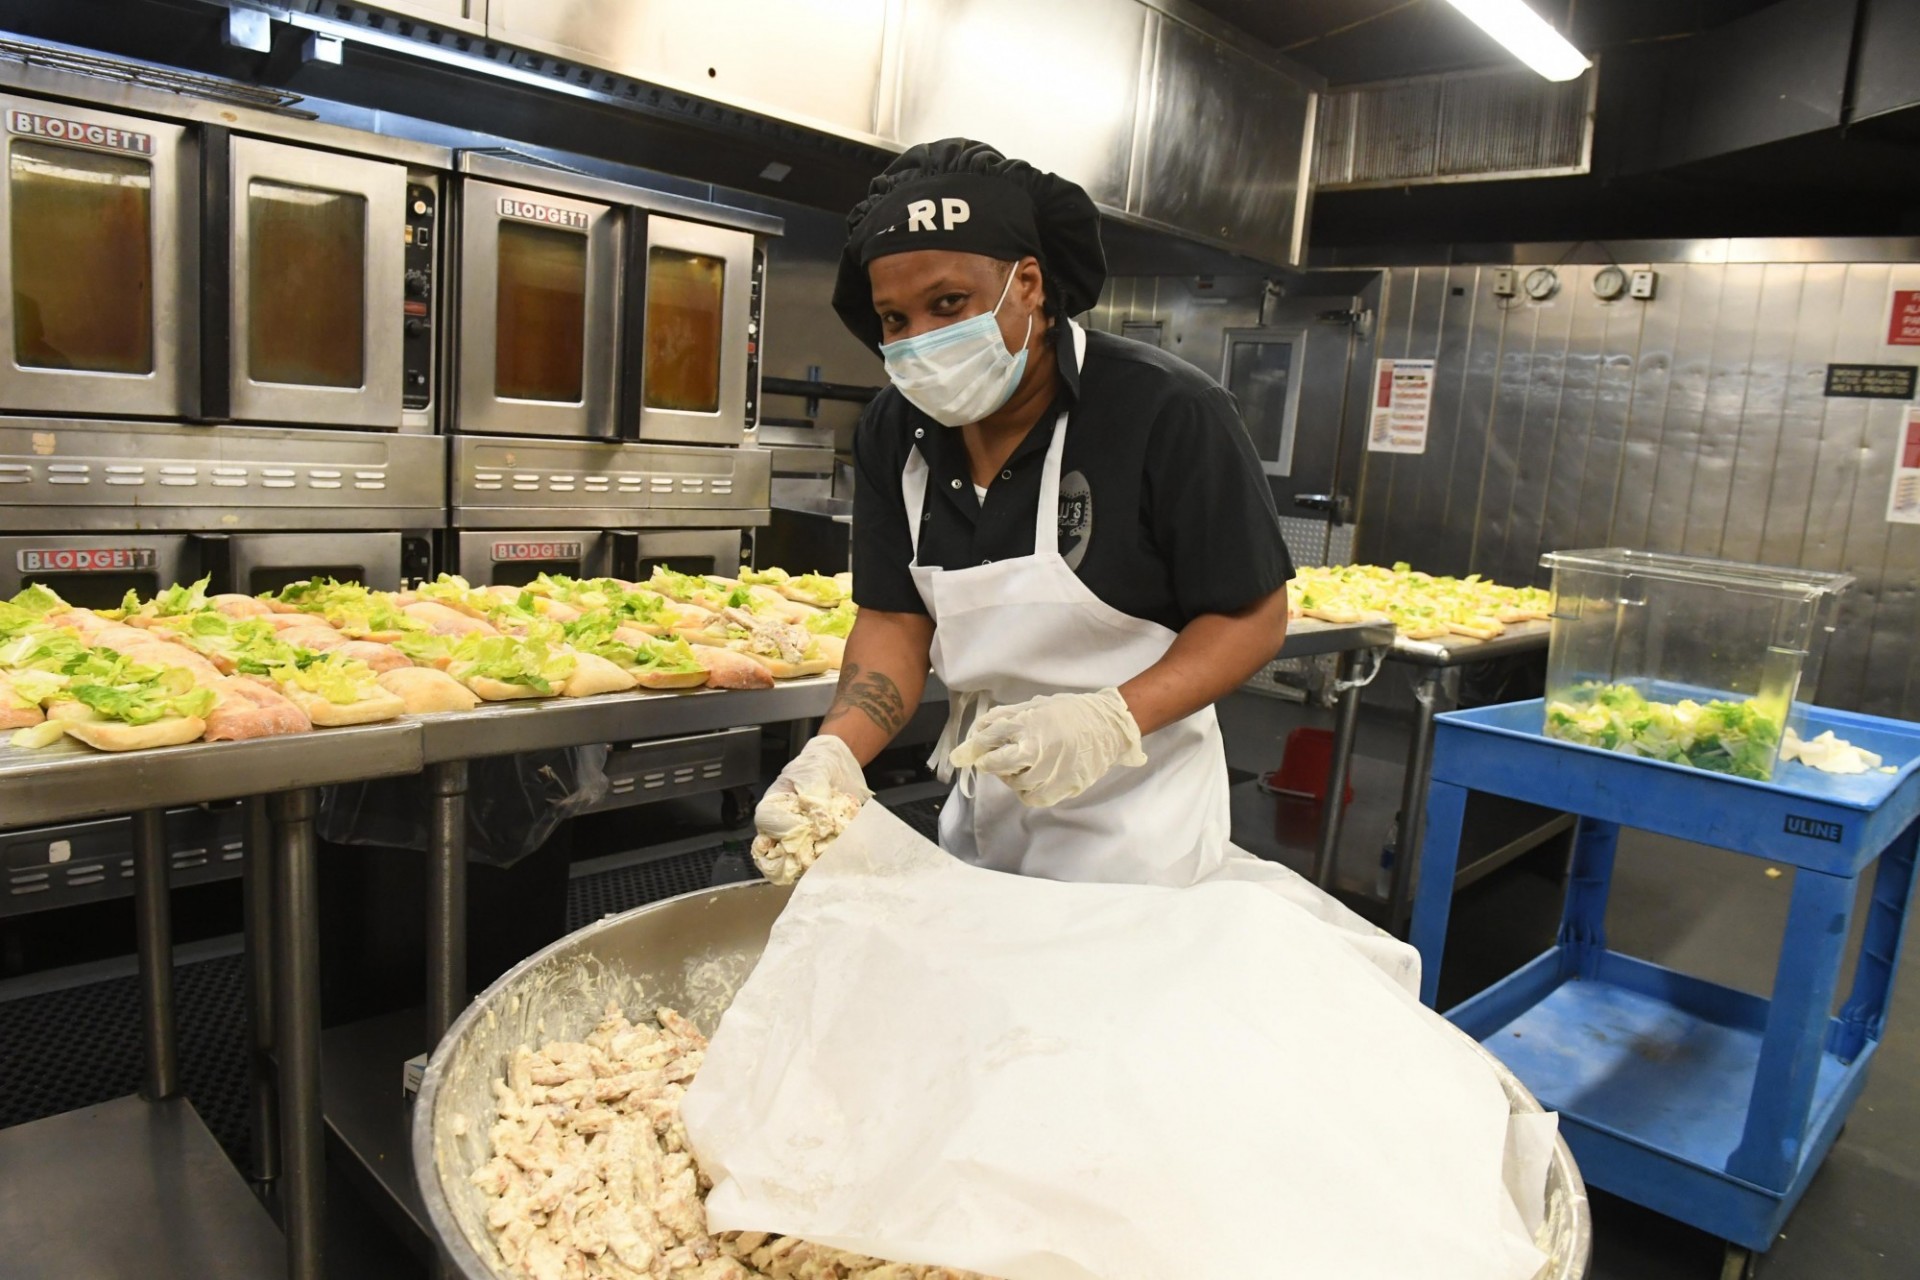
200 272
591 309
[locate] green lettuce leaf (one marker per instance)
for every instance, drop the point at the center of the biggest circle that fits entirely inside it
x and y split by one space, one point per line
33 688
144 702
527 662
837 621
764 577
177 600
39 601
341 681
820 587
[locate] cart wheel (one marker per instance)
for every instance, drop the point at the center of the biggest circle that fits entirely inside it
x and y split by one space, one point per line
1739 1263
736 804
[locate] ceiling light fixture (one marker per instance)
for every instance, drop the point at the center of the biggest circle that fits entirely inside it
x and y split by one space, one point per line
1526 35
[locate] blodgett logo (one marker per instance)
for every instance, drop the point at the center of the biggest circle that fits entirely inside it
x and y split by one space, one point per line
1813 829
95 135
504 552
527 211
82 559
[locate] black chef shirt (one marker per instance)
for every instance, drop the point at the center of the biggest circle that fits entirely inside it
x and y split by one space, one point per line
1164 511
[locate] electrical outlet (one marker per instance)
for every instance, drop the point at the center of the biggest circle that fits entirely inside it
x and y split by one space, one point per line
1642 285
1503 282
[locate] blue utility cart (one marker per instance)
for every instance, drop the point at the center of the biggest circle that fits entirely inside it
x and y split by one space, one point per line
1707 1104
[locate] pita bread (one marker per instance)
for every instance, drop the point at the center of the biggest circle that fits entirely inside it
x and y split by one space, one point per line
382 706
727 669
249 707
1478 628
381 657
781 669
670 679
238 606
425 690
833 649
492 690
102 734
443 621
593 674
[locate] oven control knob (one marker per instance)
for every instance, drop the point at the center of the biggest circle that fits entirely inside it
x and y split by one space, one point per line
417 284
416 327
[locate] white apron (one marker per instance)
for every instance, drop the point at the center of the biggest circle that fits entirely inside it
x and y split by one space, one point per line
1012 630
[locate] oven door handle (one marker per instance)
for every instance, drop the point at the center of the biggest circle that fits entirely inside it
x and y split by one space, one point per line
629 366
216 276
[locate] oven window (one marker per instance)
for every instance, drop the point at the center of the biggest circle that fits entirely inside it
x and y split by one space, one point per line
1259 375
540 325
306 286
684 293
278 576
518 573
82 259
96 590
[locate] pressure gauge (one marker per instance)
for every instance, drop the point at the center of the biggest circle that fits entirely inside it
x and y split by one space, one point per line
1541 284
1609 283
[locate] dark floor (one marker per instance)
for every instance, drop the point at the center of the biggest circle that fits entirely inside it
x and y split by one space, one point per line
70 1038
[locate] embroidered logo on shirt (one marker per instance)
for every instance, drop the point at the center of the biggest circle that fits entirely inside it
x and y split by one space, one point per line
1076 518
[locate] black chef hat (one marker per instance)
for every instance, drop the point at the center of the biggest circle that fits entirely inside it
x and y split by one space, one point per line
963 195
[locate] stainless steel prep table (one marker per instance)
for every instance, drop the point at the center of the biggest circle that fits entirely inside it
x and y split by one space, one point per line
1437 690
278 777
1309 638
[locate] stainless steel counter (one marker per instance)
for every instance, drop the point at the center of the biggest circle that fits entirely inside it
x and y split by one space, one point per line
67 781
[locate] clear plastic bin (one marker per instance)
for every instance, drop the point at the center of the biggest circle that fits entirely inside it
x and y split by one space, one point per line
1680 658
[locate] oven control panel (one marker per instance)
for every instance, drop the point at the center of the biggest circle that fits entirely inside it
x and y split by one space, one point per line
417 339
755 296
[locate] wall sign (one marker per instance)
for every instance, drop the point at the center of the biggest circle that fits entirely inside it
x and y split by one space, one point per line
1402 406
1903 504
1903 326
1872 381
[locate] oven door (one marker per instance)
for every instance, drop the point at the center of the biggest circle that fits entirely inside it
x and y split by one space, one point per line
698 309
96 571
268 562
537 319
513 559
97 281
318 287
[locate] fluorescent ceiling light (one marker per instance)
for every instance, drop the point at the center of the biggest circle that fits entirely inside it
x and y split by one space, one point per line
1526 35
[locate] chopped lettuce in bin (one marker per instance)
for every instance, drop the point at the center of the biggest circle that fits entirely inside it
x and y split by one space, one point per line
1740 738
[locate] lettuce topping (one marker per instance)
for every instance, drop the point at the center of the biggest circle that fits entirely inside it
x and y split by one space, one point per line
142 698
38 601
764 577
529 662
594 634
820 588
340 680
1740 738
837 621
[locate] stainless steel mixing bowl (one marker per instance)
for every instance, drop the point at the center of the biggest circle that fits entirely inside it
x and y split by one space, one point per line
692 953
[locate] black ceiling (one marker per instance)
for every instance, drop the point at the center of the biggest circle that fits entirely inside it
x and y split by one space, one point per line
1356 41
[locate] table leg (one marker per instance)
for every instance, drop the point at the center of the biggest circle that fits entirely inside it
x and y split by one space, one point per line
1435 907
297 1031
256 869
1346 723
1864 1016
446 896
153 942
799 734
1438 690
1796 1035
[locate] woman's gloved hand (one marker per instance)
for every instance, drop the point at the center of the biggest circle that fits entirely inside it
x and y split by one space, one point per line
1053 747
811 802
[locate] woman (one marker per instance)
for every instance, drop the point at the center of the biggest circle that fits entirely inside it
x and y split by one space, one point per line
1071 528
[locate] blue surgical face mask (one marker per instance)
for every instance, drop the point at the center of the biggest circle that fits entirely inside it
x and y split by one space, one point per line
960 373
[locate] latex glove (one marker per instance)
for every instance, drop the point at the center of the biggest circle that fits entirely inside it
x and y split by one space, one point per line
819 792
1053 747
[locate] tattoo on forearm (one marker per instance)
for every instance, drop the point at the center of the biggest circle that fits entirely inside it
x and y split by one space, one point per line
871 693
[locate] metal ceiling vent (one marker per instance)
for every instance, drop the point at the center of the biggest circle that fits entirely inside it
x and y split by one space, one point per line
1467 126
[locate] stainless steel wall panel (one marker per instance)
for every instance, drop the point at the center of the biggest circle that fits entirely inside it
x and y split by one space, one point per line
1718 439
1694 422
1803 416
1426 316
1615 389
1686 405
1374 509
963 73
1573 436
1506 423
1477 362
1762 411
1517 560
1226 145
1653 378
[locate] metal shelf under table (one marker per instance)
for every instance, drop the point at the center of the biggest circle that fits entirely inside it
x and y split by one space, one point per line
129 1188
1436 691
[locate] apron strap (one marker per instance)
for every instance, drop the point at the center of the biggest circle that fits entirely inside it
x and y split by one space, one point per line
1046 518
